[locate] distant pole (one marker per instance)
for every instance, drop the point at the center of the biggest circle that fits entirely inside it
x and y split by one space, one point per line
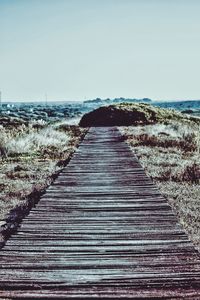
46 99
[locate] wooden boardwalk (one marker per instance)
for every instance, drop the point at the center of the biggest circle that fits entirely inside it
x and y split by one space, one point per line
102 230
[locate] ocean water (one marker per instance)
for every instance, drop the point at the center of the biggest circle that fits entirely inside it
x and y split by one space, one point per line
179 105
73 109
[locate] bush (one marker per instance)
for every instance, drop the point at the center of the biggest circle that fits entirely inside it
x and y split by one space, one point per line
188 142
127 114
191 173
73 130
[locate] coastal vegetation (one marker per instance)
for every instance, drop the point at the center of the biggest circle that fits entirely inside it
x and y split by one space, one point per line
34 150
32 154
126 114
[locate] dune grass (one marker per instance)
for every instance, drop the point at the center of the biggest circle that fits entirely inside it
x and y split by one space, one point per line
128 114
170 154
31 156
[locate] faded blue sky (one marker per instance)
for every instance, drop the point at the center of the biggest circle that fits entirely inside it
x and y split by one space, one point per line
76 49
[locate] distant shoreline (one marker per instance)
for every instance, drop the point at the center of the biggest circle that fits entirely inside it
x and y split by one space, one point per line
82 101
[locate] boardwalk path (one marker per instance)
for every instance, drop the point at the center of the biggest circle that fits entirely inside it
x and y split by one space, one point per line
101 230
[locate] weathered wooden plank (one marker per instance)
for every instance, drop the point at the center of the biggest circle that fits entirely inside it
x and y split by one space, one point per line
107 292
102 230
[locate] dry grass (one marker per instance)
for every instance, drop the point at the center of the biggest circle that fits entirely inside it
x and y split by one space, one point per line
35 141
170 155
31 156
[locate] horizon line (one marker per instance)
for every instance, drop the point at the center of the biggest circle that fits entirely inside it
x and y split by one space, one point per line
50 101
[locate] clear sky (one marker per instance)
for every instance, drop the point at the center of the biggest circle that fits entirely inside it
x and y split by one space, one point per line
83 49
